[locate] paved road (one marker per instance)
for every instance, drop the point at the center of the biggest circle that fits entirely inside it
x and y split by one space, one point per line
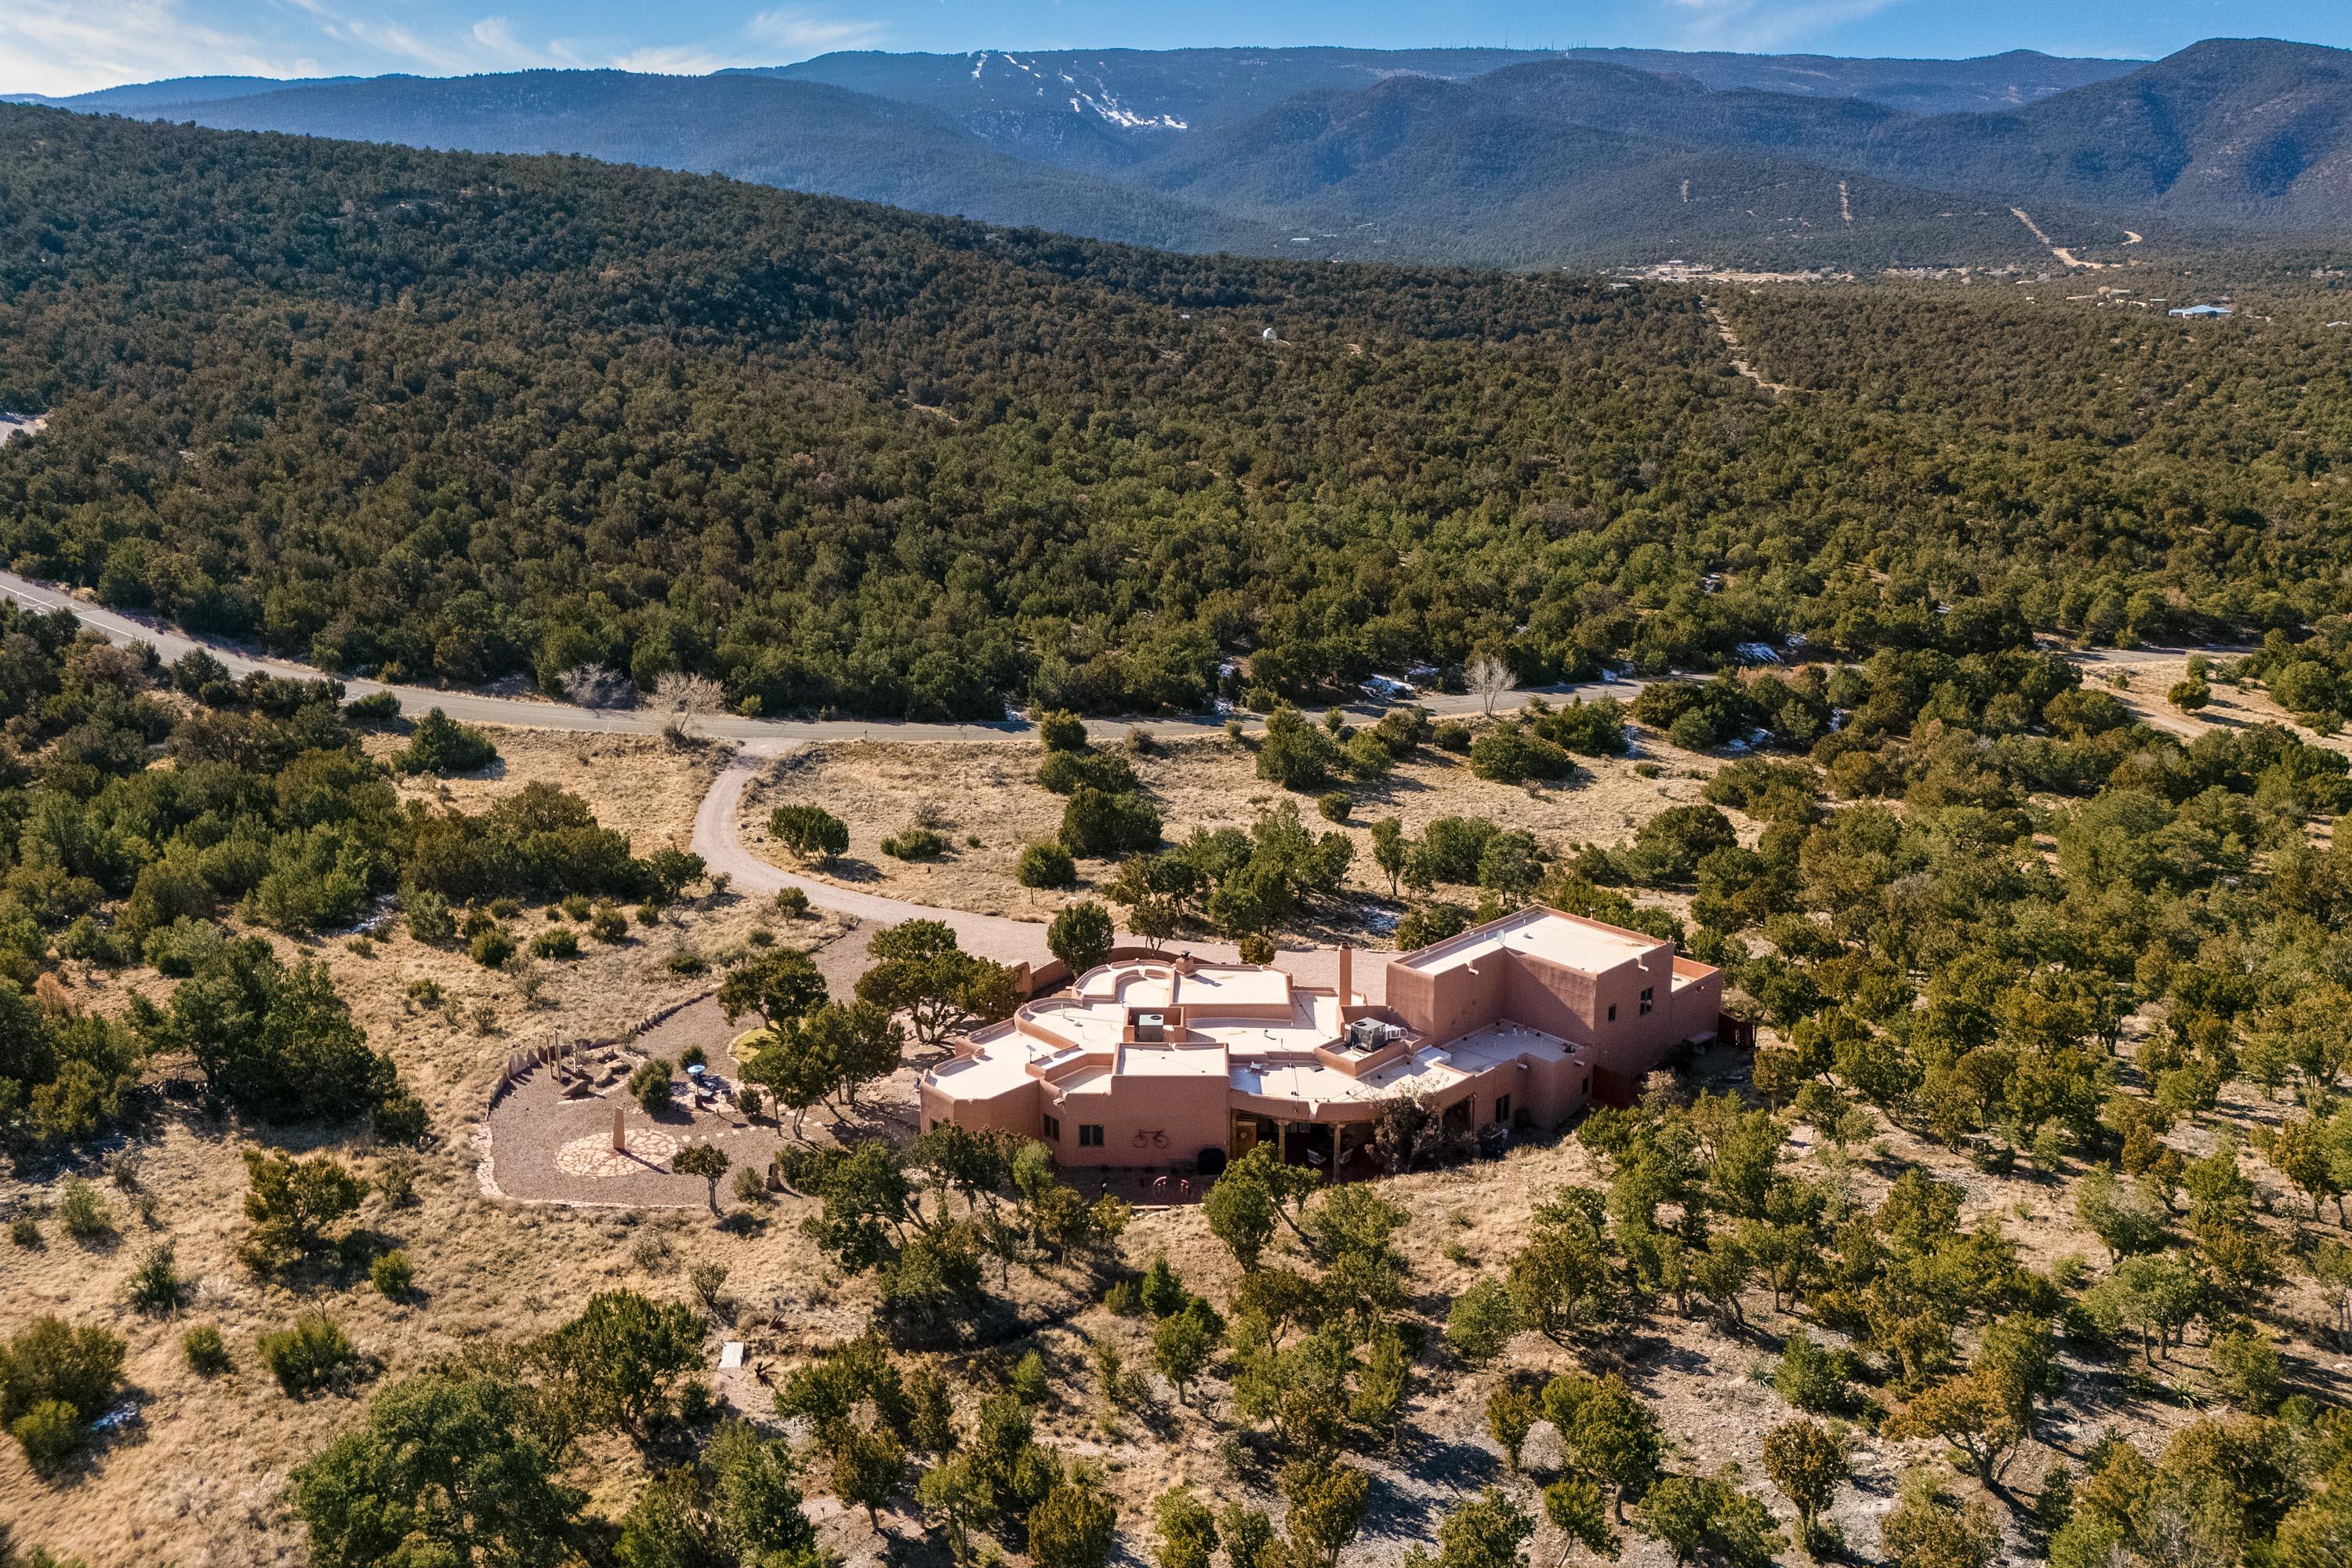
527 712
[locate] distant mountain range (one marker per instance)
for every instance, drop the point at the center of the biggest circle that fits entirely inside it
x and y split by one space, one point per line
1495 157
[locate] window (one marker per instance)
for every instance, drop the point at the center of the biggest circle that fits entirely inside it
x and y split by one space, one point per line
1053 1130
1647 992
1612 1012
1089 1135
1503 1109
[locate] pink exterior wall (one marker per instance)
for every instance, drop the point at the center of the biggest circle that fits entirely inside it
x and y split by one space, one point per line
1016 1111
1573 1003
1444 1002
1186 1114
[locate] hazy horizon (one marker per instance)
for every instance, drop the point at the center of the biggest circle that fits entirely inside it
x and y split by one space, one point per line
60 47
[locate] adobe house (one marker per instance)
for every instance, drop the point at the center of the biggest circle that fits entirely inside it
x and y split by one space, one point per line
1166 1061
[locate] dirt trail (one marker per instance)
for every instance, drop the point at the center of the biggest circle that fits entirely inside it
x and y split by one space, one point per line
1845 202
1739 354
2065 256
719 840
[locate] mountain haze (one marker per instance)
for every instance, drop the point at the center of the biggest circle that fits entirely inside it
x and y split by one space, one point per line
1485 157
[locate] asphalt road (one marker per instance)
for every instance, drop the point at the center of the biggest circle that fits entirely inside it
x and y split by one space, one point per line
531 713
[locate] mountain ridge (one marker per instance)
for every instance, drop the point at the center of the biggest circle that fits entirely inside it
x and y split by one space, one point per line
1502 158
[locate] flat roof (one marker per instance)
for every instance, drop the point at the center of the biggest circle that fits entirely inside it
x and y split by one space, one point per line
1157 982
1312 1083
1503 1042
1585 945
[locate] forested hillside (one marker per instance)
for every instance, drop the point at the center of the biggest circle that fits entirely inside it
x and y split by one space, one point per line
439 416
1473 157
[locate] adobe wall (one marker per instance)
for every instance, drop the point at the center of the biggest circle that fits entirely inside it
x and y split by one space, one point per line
1016 1111
1147 1120
1442 1003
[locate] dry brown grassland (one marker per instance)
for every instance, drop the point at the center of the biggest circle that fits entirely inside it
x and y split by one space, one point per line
987 792
199 1479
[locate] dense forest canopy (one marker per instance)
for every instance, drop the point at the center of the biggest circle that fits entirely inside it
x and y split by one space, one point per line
449 417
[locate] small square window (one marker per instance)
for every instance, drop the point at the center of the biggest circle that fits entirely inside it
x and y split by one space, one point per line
1053 1130
1089 1135
1647 992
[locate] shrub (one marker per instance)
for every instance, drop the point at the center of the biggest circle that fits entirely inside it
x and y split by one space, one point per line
50 1434
1588 729
376 710
1294 753
492 947
441 746
1063 773
1454 738
398 1118
82 1210
808 832
207 1352
1045 866
649 1086
1081 936
557 941
1452 847
1030 1383
313 1353
1101 824
1812 1377
1481 1323
1062 731
608 923
915 844
504 908
793 903
25 1231
688 961
59 1379
1256 948
156 1285
1429 923
1509 753
392 1275
428 915
649 913
750 1186
575 907
1335 805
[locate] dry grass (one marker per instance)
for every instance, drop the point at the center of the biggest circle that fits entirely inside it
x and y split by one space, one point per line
200 1479
988 792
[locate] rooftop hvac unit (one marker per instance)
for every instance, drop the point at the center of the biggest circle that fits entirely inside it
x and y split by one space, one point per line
1150 1028
1367 1033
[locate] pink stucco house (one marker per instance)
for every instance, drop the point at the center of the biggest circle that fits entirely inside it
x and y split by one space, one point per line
1153 1062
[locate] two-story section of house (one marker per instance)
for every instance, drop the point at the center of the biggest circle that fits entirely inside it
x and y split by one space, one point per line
1173 1062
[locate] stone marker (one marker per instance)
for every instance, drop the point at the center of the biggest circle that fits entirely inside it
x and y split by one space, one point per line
620 1138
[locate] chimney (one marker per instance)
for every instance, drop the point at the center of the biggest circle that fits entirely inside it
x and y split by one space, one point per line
1347 975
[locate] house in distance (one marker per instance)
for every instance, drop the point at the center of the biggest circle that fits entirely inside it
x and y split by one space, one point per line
1166 1061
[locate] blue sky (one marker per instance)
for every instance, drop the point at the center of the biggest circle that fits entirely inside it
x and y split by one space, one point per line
72 46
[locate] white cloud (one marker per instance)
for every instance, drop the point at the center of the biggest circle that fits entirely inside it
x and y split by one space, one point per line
679 60
64 47
1761 25
802 34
